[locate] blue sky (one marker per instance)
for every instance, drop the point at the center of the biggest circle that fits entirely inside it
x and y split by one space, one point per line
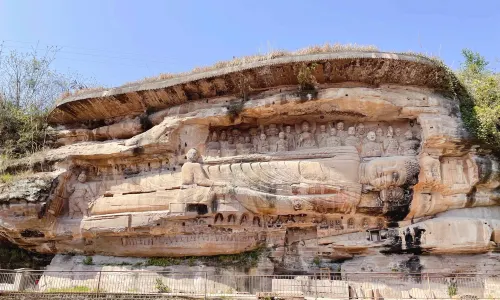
120 41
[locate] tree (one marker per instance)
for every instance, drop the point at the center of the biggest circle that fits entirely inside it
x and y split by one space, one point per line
29 87
483 87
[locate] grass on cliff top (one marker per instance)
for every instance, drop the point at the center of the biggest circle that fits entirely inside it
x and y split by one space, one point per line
74 289
244 259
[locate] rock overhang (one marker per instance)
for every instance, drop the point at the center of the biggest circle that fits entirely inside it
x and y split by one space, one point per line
369 68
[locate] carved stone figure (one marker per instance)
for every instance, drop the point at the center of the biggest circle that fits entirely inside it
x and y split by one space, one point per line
230 149
360 132
255 139
352 139
385 172
341 133
213 147
223 141
322 136
390 144
410 145
333 139
431 170
380 135
263 144
282 144
371 147
398 136
80 196
272 134
196 187
290 137
248 147
240 145
306 137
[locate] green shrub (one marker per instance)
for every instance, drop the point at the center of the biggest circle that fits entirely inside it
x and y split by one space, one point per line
161 287
88 261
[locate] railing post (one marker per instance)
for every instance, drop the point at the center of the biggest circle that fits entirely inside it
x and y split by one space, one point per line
206 279
316 285
99 283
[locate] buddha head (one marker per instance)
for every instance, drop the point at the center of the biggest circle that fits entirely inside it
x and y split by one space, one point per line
288 129
82 177
215 138
263 136
379 132
322 128
386 172
272 130
192 155
333 131
361 129
340 126
281 135
305 126
371 136
223 136
351 131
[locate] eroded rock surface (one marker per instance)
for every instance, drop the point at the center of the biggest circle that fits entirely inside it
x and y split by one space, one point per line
350 170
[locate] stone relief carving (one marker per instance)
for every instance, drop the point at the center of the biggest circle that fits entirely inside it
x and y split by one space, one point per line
80 197
376 142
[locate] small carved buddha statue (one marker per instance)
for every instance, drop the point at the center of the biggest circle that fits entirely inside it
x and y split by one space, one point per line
263 143
281 144
223 140
379 135
231 147
248 147
397 135
240 145
290 137
306 138
360 132
371 147
410 145
352 139
390 144
213 147
272 134
333 140
254 139
341 133
322 136
80 196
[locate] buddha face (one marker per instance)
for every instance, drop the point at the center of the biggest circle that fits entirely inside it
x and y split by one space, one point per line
371 136
351 131
361 128
272 130
398 131
282 135
223 136
82 177
236 133
383 173
379 132
253 132
247 139
333 131
340 126
262 137
305 127
214 137
230 139
288 129
389 134
192 155
322 128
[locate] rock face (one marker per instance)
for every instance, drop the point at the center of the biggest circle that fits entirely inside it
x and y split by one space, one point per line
374 160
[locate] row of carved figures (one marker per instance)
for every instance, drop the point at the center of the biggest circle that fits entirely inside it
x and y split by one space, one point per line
376 142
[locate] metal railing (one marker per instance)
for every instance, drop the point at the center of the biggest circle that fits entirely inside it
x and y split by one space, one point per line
206 285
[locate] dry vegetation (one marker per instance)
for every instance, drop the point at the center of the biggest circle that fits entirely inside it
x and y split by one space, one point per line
239 61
